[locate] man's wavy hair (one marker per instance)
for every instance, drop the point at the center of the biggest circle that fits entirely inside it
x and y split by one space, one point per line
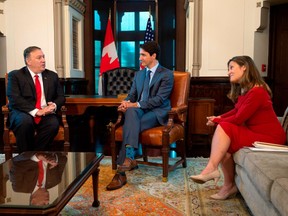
151 47
250 78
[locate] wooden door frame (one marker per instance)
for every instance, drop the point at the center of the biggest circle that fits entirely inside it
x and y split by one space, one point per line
274 64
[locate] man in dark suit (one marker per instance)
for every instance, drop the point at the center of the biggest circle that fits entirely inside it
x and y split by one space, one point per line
22 96
24 174
146 106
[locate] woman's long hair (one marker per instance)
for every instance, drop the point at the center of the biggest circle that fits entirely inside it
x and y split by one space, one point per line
250 78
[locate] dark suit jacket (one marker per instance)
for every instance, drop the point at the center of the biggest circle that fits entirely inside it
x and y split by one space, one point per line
24 173
159 92
22 94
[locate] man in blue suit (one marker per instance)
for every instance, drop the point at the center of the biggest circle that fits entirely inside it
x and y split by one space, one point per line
22 96
146 106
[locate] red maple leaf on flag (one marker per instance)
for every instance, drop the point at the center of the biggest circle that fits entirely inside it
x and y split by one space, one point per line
109 58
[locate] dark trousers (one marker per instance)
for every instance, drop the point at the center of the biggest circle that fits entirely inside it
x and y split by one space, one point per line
136 120
24 129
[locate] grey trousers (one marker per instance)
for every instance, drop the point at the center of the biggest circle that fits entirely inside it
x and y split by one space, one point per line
136 121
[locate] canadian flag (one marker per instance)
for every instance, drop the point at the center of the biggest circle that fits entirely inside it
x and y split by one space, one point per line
109 58
109 54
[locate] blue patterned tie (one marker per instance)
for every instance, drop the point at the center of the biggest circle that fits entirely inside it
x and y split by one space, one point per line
145 92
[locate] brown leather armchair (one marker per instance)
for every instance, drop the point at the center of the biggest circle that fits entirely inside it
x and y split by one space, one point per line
9 138
162 137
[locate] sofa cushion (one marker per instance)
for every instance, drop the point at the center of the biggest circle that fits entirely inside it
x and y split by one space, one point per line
279 194
253 198
263 168
240 156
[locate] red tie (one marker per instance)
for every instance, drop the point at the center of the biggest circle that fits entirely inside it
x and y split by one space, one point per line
41 173
37 119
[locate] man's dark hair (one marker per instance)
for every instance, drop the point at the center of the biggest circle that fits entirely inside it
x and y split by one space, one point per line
151 47
28 50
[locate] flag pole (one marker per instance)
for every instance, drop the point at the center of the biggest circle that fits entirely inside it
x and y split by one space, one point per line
149 11
149 35
156 20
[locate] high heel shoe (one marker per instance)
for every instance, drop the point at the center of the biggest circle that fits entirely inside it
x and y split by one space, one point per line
225 196
202 178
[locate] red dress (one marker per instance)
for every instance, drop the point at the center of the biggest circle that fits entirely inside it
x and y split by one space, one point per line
252 119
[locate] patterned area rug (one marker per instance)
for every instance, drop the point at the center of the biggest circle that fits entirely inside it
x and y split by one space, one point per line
146 194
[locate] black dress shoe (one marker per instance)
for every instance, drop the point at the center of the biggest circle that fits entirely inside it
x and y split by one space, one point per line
117 182
128 165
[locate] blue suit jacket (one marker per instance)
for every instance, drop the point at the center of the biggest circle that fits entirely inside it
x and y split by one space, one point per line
159 92
22 94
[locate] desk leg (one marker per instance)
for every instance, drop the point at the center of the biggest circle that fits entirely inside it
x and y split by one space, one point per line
95 179
91 127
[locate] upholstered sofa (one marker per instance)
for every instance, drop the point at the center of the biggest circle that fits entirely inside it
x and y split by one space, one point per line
262 179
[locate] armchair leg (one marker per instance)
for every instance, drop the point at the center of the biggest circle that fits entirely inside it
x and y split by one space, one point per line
66 146
164 179
8 155
8 151
184 164
165 158
113 154
144 153
183 152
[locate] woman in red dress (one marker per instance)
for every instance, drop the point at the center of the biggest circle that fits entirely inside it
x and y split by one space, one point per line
252 119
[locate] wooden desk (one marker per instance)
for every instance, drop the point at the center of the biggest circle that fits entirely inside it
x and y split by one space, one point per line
77 104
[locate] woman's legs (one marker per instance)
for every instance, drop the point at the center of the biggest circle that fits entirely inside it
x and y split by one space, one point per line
228 168
219 147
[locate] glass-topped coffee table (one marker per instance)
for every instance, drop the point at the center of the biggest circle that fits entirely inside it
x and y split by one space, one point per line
65 172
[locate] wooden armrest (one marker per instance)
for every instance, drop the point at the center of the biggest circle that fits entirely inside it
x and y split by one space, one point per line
5 109
178 113
5 112
113 126
63 111
119 121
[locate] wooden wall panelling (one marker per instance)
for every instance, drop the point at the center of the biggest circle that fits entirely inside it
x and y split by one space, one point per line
213 93
199 134
215 88
77 86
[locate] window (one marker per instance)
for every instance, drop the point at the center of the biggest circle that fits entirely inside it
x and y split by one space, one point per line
97 49
74 45
75 39
130 24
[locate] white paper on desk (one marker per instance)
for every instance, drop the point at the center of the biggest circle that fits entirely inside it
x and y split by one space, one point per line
267 150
